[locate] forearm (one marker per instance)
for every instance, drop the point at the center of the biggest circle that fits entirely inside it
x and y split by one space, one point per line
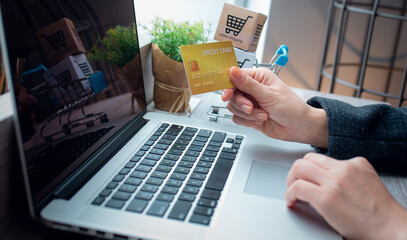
376 132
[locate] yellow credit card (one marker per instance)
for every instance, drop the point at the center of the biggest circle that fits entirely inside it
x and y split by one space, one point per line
207 66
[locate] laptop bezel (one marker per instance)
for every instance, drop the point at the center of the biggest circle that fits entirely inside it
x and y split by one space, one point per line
78 177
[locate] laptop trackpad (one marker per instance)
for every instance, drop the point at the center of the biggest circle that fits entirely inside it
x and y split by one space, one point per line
267 179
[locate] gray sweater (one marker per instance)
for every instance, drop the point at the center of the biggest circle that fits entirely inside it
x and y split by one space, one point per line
376 132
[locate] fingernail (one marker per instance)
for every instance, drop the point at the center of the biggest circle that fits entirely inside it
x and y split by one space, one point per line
261 116
235 72
246 108
223 94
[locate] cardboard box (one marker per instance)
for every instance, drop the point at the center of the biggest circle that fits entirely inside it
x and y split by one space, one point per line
65 78
244 59
241 26
60 40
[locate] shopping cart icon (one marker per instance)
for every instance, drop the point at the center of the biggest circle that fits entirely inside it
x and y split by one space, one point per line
242 63
64 79
236 24
56 40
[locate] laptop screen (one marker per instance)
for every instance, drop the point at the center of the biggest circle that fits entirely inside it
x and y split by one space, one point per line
77 81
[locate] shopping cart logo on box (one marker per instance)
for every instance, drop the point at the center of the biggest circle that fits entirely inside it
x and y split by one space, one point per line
64 78
242 63
56 40
235 24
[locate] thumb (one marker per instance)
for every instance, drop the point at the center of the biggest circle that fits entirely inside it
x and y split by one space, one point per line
245 83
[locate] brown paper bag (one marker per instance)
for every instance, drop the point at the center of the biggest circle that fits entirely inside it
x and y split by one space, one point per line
171 89
130 75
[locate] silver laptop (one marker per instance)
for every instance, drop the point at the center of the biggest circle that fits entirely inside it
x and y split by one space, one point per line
91 166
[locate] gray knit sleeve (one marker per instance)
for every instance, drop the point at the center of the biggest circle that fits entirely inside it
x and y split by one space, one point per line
376 132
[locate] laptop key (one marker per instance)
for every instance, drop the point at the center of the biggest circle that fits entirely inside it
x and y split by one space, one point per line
176 127
188 158
144 195
135 159
228 156
191 189
124 171
167 162
105 192
180 210
153 156
118 178
218 137
192 153
137 205
130 165
204 164
215 144
207 202
204 211
171 157
133 181
187 197
185 164
157 151
204 133
178 176
195 148
194 182
170 190
98 201
128 188
202 170
158 208
210 153
181 170
114 203
112 185
196 218
149 188
211 194
140 153
174 183
138 174
219 174
165 197
207 158
163 168
148 162
121 196
158 174
191 129
230 150
201 139
198 143
198 176
154 181
163 144
143 168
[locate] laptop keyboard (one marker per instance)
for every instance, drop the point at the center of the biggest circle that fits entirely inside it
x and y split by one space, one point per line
179 173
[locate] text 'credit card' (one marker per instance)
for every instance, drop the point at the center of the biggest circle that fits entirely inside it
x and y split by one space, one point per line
207 66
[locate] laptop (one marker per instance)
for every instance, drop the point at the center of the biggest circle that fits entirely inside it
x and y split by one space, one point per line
96 162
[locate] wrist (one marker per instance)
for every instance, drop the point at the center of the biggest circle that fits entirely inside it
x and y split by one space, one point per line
317 128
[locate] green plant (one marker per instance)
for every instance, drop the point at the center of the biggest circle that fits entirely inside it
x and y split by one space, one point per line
119 46
169 35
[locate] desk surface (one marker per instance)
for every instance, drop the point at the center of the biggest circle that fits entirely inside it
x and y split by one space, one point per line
16 225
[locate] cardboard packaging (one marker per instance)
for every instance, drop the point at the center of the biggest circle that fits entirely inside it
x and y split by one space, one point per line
244 59
241 26
59 40
64 78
